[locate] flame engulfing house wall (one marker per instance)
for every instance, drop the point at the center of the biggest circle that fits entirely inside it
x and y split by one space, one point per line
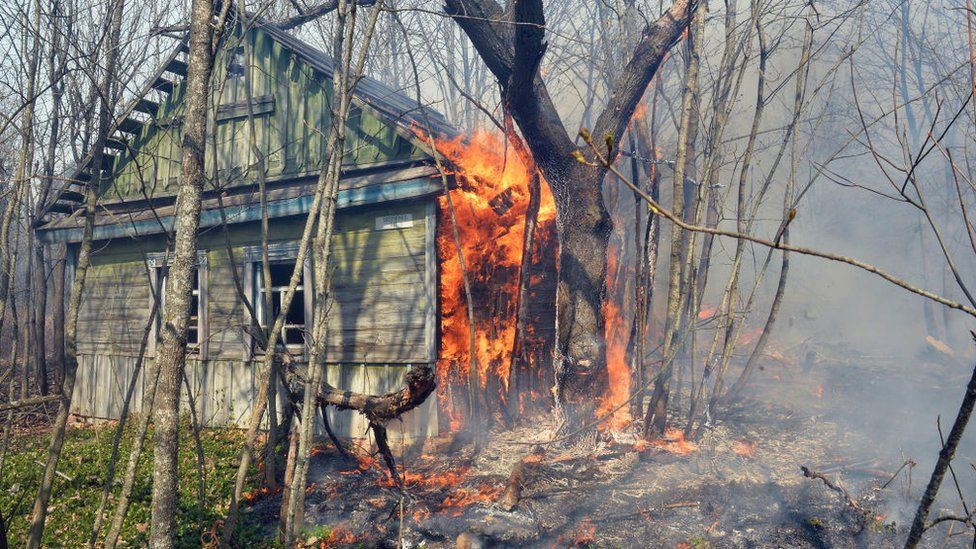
491 201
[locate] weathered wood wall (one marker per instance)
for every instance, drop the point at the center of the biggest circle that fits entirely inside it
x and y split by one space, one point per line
291 117
383 318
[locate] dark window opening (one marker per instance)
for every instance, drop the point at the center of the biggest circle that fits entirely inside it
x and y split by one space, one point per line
235 67
193 327
293 329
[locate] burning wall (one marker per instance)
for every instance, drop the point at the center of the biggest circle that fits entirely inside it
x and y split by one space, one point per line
490 201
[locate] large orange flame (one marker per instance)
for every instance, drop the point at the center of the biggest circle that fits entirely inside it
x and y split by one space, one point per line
490 204
616 333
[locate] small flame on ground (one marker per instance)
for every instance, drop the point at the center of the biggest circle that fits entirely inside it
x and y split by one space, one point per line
447 479
585 533
744 448
820 391
338 537
464 497
674 442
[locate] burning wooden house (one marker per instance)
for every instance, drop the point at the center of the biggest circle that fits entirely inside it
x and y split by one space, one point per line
385 315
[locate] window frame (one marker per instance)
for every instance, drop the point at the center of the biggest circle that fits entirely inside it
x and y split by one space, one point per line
236 63
277 253
156 261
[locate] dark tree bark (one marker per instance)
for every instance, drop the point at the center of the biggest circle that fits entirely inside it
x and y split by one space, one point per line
513 54
172 350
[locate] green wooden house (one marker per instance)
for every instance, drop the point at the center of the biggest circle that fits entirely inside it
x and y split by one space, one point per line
385 274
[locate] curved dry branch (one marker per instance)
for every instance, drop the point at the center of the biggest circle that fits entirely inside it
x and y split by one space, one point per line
381 409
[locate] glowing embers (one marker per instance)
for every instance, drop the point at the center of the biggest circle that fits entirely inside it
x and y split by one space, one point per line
673 442
440 490
744 448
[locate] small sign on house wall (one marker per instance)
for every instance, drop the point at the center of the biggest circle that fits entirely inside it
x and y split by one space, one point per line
398 221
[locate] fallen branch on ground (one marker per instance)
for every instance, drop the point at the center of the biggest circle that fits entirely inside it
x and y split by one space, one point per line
862 514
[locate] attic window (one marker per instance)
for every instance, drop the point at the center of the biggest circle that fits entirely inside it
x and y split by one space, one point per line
235 68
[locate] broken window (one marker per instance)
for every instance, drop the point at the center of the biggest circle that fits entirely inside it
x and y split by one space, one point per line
235 65
293 330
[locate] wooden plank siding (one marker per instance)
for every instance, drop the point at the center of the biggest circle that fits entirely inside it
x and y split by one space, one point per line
383 317
291 105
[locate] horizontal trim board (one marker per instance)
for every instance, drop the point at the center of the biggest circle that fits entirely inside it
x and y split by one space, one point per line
250 212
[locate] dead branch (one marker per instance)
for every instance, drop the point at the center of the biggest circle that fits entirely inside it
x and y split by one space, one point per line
315 12
809 473
380 409
661 210
519 477
910 463
942 465
861 513
33 401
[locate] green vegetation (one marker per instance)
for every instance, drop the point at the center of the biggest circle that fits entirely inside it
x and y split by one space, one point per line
84 461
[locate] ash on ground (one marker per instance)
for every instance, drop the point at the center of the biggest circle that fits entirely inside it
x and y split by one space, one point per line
739 484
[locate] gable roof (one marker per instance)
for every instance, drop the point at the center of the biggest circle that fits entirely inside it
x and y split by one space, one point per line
359 185
394 106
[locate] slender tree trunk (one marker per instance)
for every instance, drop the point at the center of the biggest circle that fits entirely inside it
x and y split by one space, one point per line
519 358
57 313
344 81
81 271
946 454
270 467
656 416
171 356
727 328
25 161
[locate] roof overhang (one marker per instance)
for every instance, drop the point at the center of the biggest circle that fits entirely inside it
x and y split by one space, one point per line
292 197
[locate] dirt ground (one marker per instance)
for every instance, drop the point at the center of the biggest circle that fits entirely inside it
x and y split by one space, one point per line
740 485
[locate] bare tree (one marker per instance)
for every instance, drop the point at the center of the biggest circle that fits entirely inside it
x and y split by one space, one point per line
81 271
511 43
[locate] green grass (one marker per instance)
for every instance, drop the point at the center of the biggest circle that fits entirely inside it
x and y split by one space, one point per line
84 460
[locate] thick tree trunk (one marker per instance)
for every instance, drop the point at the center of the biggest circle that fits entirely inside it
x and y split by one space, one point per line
580 357
513 53
171 356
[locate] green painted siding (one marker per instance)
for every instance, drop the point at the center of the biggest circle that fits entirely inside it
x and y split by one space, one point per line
289 132
381 287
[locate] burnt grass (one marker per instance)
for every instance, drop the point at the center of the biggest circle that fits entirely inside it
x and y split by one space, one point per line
836 418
